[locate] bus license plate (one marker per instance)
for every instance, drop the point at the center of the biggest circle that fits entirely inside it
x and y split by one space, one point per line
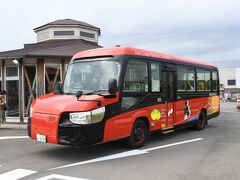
41 138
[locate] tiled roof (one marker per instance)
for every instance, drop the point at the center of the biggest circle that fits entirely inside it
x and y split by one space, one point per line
68 22
61 48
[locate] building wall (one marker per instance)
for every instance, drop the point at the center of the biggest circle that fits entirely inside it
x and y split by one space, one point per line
238 77
229 74
48 34
43 35
225 75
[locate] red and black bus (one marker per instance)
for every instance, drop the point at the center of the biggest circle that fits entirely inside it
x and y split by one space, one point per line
125 93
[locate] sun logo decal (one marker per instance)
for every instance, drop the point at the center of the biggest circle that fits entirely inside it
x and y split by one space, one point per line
155 114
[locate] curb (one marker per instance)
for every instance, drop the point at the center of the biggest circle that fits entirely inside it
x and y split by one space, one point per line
13 126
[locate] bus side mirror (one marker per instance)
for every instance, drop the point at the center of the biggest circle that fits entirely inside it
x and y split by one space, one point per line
112 86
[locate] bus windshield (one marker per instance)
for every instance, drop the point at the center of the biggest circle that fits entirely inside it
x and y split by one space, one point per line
91 76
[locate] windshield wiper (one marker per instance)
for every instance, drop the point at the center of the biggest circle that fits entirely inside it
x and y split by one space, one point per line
95 92
68 93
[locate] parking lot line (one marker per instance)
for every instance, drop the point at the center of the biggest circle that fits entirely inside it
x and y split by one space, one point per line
126 154
16 174
13 137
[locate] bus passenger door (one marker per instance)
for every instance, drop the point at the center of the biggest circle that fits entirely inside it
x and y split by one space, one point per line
168 96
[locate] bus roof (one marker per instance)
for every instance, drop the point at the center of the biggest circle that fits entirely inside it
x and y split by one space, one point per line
122 50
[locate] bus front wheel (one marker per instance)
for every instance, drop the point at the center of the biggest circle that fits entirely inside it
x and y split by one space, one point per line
138 135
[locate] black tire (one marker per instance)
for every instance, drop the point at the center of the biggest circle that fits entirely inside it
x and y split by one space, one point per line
202 122
138 135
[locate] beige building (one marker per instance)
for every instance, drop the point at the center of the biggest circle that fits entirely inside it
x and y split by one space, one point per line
35 69
229 82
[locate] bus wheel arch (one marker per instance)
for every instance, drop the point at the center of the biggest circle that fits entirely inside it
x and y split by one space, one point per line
146 120
202 120
204 110
139 133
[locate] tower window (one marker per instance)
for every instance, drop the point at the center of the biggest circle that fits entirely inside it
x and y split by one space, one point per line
86 34
63 33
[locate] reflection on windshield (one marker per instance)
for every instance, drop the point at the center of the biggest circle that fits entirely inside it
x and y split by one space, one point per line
89 76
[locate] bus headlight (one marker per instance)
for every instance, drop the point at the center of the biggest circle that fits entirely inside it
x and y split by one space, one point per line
88 117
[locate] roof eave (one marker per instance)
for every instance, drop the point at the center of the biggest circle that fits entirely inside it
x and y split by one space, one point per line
69 25
10 57
44 56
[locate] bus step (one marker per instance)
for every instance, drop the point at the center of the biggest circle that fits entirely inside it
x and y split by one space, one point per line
169 131
167 128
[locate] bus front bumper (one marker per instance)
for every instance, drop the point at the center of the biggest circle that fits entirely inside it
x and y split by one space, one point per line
59 130
45 126
79 134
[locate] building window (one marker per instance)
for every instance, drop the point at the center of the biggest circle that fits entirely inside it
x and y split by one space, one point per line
185 79
203 80
155 77
63 33
11 71
136 77
231 82
12 89
87 34
52 77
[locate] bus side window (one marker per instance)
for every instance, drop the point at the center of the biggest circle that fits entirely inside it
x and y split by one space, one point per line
155 77
203 80
207 81
185 79
135 83
136 77
200 80
214 81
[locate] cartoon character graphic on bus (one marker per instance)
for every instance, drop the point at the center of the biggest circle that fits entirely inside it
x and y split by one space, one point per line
187 111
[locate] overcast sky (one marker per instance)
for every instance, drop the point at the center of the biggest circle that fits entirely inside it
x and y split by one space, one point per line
208 30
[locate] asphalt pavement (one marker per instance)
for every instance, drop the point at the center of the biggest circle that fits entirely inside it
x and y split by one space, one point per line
213 153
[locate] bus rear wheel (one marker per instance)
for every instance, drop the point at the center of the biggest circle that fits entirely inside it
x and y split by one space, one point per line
138 135
202 121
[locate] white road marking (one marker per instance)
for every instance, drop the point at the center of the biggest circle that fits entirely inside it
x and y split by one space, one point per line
105 158
230 112
16 174
13 137
173 144
126 154
56 176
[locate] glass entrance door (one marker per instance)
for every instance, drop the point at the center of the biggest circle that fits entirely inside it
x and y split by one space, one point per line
12 88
